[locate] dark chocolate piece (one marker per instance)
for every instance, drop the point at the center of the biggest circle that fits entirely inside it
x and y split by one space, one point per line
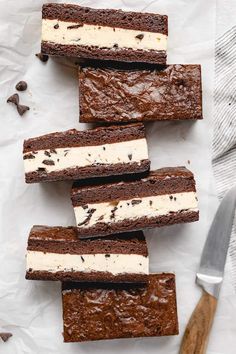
95 312
173 92
65 240
42 57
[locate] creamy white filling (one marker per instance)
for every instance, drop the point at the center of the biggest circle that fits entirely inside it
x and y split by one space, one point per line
153 206
62 158
56 31
112 263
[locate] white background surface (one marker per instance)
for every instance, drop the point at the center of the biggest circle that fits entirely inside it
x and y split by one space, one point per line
32 310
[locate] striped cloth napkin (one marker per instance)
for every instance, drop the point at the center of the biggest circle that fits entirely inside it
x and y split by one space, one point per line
224 138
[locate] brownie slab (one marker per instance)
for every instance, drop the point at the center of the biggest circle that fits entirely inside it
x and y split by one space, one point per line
166 196
93 312
130 94
76 31
74 154
57 253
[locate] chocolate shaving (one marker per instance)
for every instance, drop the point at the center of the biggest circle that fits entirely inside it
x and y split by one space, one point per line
48 162
21 86
5 336
140 36
66 152
28 157
52 151
130 157
113 212
135 202
75 26
100 217
82 258
43 57
90 212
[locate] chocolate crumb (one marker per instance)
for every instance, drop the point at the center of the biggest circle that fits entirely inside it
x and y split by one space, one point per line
28 157
114 29
5 336
48 162
21 109
41 169
43 57
113 212
171 197
115 45
140 36
175 198
107 255
130 156
75 26
104 148
84 206
56 26
13 99
82 258
21 86
52 151
135 202
100 217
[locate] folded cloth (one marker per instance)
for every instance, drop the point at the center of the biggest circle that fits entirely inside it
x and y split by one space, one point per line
224 138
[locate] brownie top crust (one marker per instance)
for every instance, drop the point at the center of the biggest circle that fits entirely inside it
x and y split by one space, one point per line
58 239
91 137
106 17
153 93
162 181
152 308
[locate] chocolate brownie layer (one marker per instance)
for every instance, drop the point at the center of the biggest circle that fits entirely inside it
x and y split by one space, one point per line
166 196
76 154
93 312
57 253
72 30
171 92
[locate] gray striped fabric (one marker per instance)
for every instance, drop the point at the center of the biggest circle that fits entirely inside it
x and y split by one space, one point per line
224 139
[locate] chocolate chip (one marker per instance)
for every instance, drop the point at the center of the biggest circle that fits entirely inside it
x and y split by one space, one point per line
130 156
135 202
140 36
89 154
82 258
5 336
175 198
56 26
75 26
48 162
47 153
115 45
28 157
43 57
21 86
171 197
150 202
21 109
107 255
13 99
104 148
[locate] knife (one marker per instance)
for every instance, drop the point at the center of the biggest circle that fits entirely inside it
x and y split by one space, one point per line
210 277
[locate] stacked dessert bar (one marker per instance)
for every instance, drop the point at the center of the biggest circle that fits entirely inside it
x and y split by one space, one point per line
102 262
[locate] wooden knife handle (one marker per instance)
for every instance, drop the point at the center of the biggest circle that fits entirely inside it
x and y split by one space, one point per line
197 332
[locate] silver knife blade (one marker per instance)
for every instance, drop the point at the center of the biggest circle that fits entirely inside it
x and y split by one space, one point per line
211 270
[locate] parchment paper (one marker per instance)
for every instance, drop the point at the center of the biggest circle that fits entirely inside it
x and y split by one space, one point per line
31 310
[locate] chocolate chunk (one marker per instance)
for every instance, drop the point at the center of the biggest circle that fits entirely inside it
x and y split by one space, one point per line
140 36
130 157
21 86
28 157
48 162
135 202
5 336
13 99
90 213
43 57
56 26
47 153
75 26
21 109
